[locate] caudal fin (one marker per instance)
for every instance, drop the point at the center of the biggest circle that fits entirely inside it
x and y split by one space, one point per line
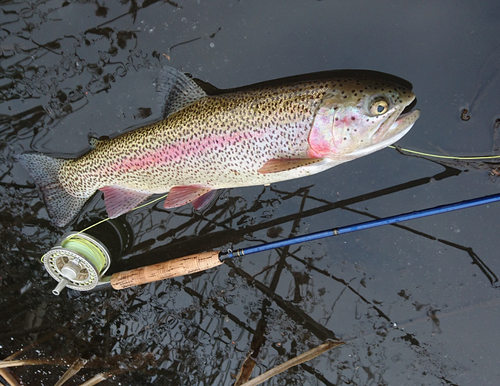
62 207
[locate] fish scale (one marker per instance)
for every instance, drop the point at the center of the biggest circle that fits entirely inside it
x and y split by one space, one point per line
248 137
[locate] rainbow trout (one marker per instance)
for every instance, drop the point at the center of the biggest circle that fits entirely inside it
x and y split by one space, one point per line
250 136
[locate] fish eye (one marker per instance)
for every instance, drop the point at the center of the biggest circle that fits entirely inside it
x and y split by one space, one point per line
379 106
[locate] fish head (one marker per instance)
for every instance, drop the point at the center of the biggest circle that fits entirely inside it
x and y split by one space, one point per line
359 116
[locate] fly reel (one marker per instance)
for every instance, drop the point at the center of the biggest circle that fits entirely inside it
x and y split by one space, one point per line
77 261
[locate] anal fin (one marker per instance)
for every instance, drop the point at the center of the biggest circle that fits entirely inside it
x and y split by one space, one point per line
120 200
199 195
285 164
205 200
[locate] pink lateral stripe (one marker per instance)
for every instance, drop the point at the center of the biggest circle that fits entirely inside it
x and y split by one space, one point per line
180 150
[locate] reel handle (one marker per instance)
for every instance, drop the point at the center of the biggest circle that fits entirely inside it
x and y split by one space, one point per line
185 265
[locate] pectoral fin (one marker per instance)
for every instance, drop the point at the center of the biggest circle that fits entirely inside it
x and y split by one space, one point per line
120 200
285 164
181 195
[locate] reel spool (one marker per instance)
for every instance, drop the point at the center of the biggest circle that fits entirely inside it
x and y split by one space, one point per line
77 261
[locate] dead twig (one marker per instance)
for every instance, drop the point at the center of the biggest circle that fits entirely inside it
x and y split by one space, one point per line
246 370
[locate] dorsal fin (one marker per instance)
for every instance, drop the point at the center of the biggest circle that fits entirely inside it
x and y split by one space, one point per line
176 90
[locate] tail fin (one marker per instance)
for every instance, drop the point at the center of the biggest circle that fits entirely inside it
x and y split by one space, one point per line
62 207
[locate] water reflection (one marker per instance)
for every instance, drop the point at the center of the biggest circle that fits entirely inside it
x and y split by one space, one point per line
188 326
236 222
488 76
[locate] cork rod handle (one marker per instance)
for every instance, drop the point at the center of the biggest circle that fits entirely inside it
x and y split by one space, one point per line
177 267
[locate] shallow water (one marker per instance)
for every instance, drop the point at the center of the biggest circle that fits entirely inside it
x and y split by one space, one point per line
72 68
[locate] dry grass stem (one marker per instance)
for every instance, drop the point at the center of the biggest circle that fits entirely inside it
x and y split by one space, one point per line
73 369
4 373
96 379
31 362
246 370
307 356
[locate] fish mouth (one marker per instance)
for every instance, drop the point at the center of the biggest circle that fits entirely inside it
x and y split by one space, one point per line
395 127
406 121
392 130
397 122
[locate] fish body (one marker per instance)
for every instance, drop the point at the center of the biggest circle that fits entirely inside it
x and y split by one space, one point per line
255 136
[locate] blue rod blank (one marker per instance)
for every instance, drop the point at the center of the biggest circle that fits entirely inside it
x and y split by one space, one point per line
364 225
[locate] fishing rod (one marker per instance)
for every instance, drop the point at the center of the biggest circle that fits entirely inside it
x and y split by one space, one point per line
81 265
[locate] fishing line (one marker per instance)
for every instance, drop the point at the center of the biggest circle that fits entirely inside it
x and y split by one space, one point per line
443 156
391 146
79 244
107 218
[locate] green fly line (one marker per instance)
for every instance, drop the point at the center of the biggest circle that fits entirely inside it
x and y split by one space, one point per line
87 249
444 156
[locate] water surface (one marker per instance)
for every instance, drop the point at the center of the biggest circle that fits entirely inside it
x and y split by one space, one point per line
70 68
